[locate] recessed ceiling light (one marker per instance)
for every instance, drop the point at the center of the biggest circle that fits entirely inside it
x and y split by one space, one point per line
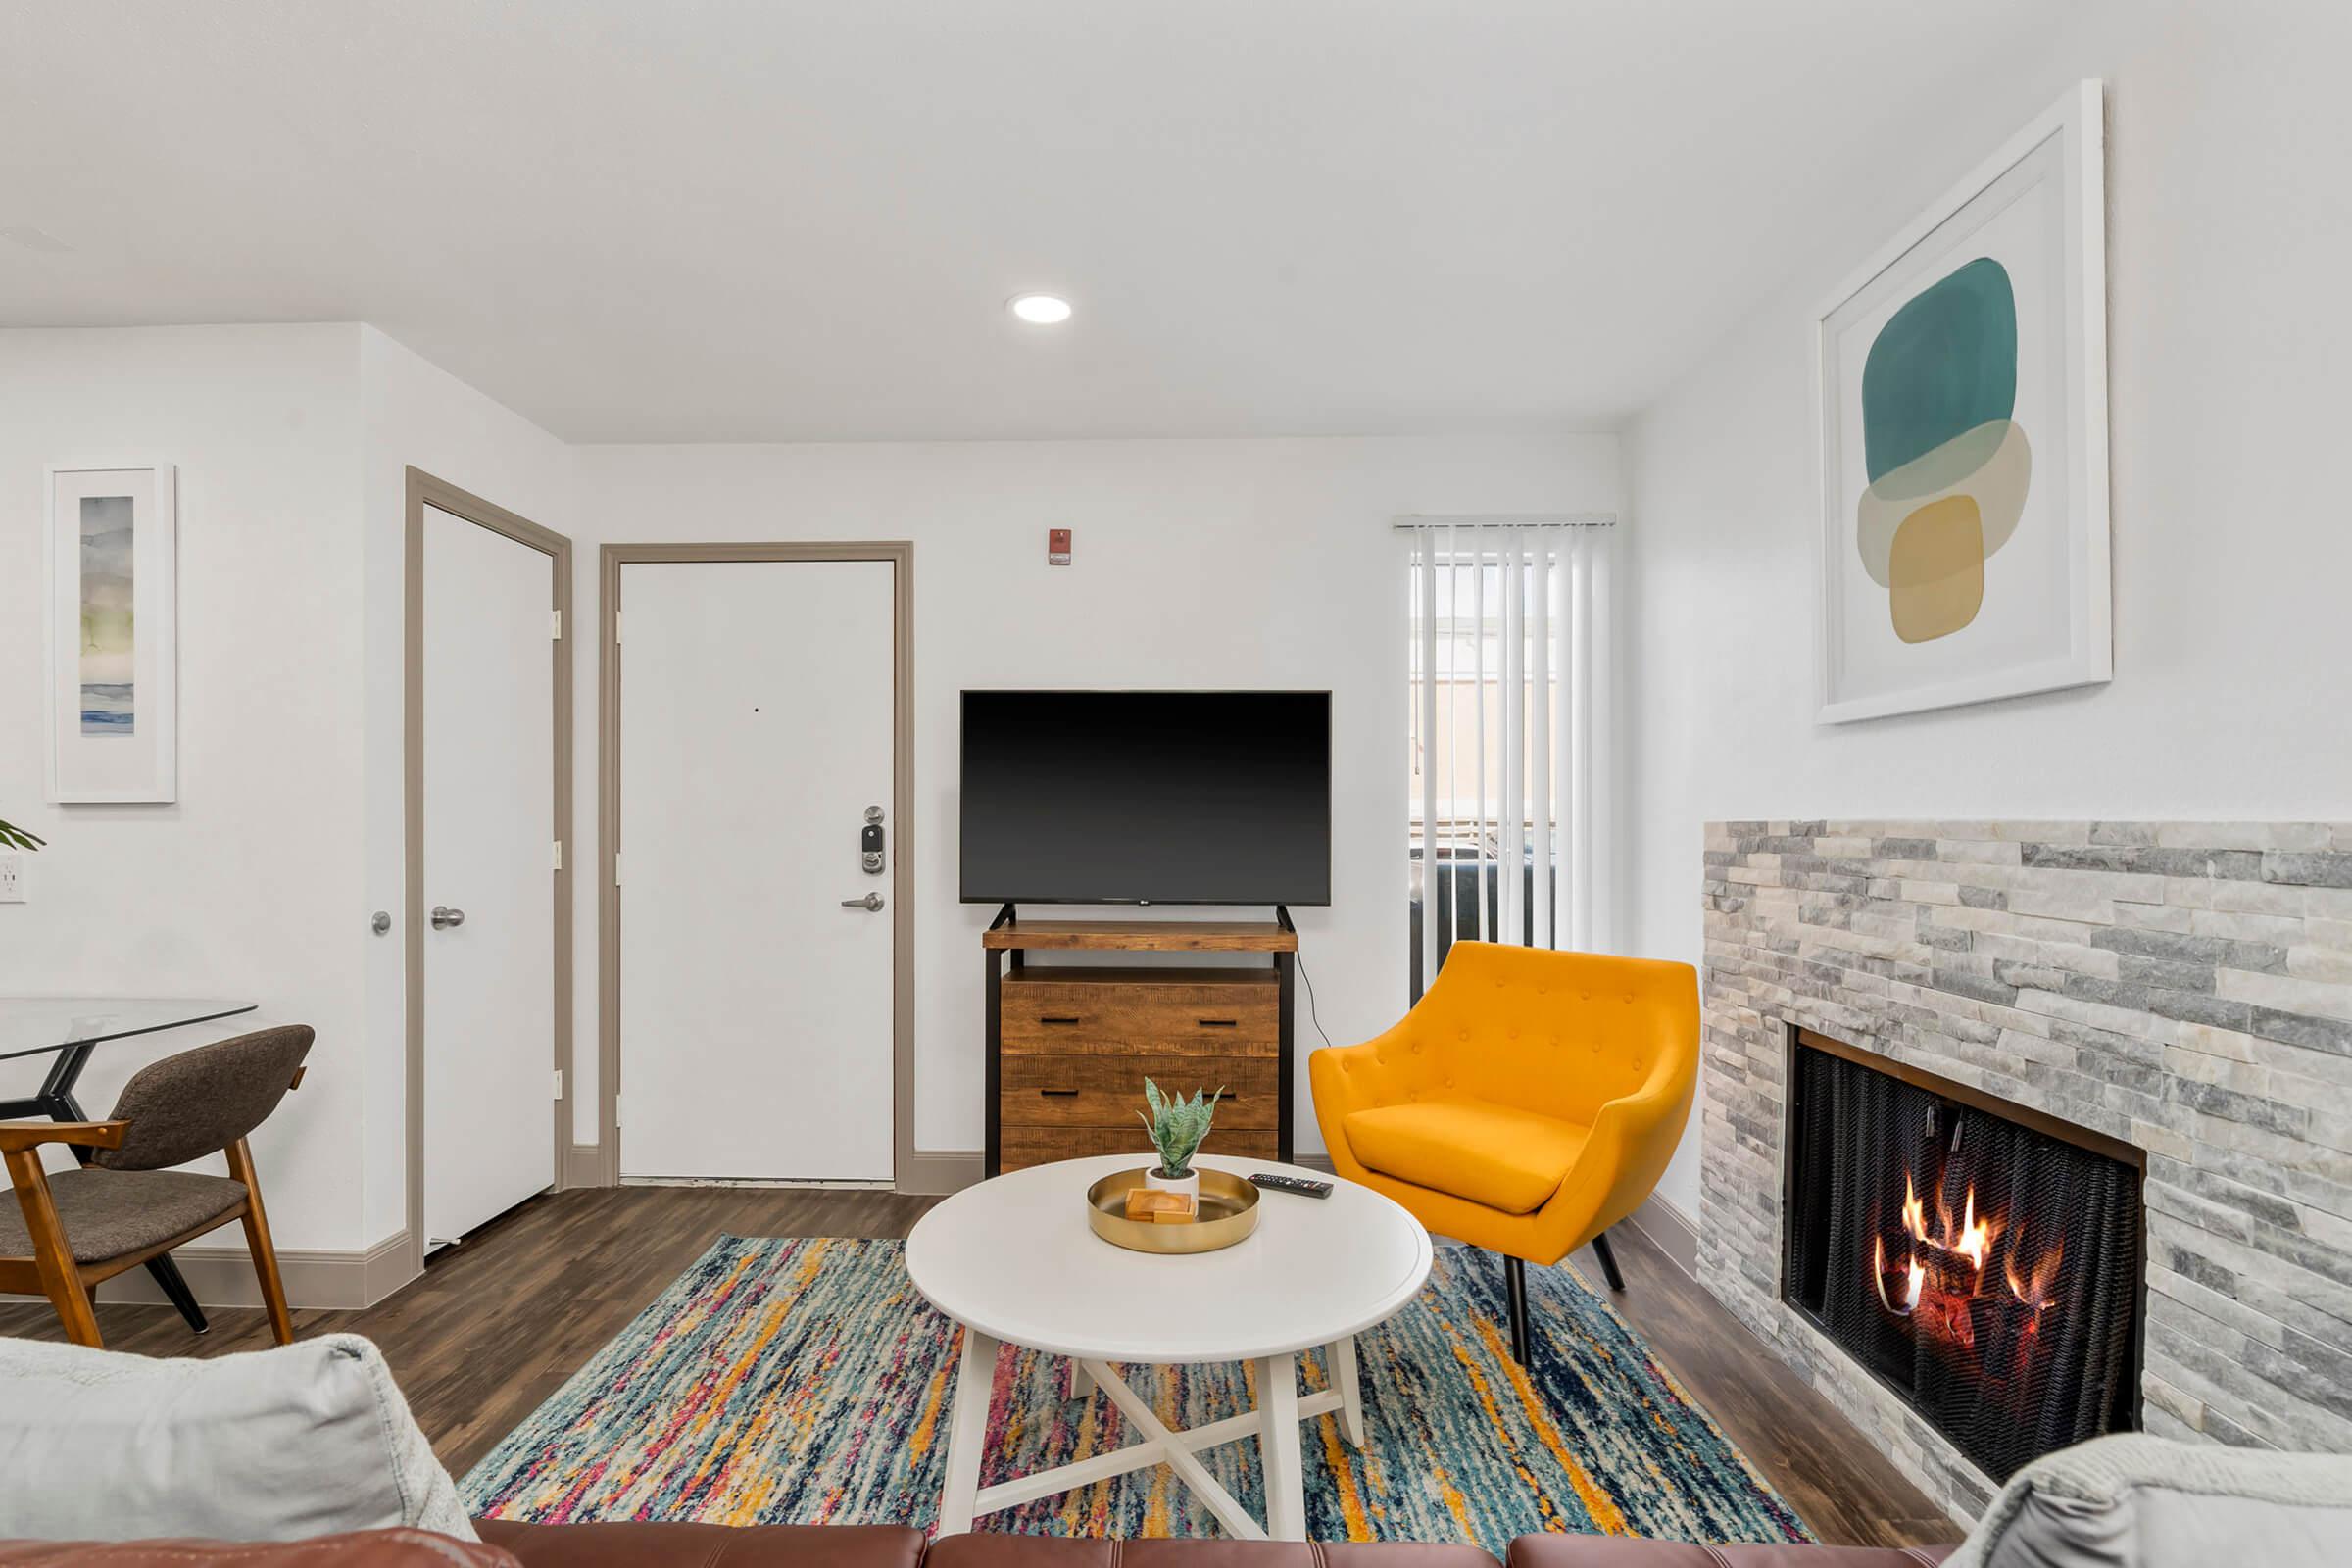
1040 310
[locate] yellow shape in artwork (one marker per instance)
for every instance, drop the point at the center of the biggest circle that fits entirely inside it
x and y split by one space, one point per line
1936 569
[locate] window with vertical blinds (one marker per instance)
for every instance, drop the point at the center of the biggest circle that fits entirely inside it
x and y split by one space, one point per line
1509 720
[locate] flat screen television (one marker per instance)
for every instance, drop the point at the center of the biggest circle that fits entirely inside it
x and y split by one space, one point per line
1076 797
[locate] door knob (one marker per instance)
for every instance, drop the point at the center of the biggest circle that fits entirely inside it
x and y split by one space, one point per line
443 916
869 904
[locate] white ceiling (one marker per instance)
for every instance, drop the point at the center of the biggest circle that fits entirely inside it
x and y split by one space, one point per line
692 220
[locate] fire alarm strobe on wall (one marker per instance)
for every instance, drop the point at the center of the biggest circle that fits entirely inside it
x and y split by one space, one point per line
1057 547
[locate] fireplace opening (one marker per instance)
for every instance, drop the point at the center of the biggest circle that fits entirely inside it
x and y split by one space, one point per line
1982 1260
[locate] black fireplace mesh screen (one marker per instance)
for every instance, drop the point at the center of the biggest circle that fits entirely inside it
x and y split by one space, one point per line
1988 1271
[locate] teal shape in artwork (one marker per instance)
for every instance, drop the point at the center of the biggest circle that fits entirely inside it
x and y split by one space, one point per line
1942 364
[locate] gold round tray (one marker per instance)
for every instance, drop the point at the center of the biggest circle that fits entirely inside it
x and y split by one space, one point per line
1228 1213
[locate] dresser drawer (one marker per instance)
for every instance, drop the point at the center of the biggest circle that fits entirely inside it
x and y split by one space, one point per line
1039 1146
1121 1017
1078 1091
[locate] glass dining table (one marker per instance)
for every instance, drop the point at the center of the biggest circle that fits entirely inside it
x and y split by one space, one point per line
69 1029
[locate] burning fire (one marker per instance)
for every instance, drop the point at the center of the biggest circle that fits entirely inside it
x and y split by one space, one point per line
2035 1290
1939 1283
1972 1240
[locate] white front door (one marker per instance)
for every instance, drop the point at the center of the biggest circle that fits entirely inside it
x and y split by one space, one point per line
756 1007
489 742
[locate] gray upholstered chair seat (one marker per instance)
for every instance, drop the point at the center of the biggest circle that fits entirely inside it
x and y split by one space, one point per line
132 1202
106 1214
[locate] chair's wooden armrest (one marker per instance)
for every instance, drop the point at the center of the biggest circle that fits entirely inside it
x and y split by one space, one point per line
16 1137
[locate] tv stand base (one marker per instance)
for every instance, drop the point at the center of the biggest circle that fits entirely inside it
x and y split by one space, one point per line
1070 1046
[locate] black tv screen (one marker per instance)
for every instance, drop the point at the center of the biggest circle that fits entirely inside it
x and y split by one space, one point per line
1147 797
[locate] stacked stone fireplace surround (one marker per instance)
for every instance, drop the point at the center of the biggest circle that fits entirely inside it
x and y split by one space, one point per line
2183 987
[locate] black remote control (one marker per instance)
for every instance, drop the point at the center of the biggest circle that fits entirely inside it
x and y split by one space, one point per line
1290 1184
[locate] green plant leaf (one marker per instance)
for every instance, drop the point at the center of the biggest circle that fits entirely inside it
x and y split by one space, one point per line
1177 1124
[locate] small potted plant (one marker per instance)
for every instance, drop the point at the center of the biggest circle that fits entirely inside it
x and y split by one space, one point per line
1177 1126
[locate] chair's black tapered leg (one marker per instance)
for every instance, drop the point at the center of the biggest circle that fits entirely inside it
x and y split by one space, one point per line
1609 1261
165 1273
1515 1279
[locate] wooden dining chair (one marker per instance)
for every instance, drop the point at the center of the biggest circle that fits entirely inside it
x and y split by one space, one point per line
71 1229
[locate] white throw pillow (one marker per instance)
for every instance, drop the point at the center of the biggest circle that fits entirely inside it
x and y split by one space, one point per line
2137 1502
311 1438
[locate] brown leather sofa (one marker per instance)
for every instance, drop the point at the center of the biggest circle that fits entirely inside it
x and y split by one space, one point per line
681 1546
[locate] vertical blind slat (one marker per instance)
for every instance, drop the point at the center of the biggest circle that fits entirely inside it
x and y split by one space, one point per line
1478 701
1453 723
1601 718
1539 736
1514 740
1580 769
1425 547
1567 853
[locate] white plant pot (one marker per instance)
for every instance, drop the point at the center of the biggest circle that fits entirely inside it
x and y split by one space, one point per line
1188 1184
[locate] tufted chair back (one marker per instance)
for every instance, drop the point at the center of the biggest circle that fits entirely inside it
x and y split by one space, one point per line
1560 1033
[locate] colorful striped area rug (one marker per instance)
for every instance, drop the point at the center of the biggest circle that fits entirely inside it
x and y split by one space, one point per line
807 1382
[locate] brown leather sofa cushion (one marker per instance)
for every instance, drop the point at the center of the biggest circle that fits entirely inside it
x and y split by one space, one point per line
364 1548
983 1549
1619 1551
508 1545
678 1546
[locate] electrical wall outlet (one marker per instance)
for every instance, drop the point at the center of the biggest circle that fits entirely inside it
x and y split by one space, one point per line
12 876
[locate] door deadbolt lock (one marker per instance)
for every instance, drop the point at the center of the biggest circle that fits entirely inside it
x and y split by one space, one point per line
870 846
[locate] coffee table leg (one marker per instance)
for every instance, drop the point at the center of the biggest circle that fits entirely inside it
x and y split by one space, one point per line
1082 1382
1278 1447
1351 1397
967 1432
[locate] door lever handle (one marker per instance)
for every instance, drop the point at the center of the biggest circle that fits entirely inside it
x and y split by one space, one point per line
871 902
443 916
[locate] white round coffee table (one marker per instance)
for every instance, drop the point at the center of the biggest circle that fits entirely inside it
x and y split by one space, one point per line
1013 1260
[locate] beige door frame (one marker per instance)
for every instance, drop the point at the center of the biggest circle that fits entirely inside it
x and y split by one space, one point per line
425 490
900 553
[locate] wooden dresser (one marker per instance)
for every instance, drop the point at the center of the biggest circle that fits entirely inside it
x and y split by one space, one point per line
1070 1046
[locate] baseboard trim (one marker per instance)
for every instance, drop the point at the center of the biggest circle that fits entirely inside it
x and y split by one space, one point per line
1671 1230
584 1166
929 1172
324 1281
940 1171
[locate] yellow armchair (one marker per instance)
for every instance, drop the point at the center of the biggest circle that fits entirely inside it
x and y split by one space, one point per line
1529 1100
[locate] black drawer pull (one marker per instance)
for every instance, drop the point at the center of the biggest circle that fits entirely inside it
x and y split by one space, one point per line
1056 1021
1219 1023
1057 1090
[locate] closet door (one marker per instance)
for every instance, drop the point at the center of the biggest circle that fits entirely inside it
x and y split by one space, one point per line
489 865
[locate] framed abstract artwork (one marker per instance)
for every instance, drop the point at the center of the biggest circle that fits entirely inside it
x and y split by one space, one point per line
113 665
1961 389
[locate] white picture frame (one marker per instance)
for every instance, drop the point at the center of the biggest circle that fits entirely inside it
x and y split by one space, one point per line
2043 613
109 624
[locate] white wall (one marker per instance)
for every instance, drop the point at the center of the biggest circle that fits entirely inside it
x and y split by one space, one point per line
414 415
251 884
2228 243
1197 563
1215 563
292 445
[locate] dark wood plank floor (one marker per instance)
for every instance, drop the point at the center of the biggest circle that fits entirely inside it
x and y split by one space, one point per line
496 1326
